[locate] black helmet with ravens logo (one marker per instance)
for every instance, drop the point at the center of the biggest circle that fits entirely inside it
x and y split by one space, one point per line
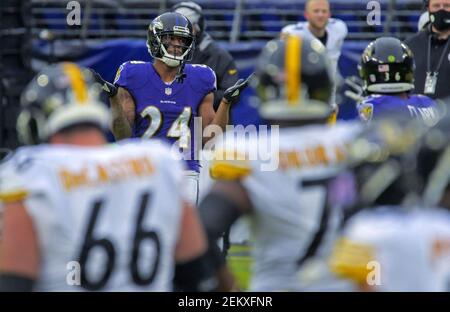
162 30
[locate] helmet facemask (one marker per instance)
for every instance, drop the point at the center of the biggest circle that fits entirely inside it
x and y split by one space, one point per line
171 47
174 53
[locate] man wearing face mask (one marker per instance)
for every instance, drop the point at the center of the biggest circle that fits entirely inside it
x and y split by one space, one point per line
207 51
431 48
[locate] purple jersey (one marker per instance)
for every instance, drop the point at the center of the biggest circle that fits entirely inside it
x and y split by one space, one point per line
415 106
167 111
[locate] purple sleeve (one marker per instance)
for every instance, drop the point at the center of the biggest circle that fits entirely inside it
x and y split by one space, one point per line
121 76
204 78
210 83
429 101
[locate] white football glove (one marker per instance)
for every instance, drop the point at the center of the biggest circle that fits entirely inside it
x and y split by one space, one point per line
356 92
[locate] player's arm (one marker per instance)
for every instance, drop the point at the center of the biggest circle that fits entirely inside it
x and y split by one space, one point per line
19 251
221 117
195 270
122 106
123 114
206 112
226 202
192 242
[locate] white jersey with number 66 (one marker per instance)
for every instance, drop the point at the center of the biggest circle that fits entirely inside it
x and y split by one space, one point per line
106 218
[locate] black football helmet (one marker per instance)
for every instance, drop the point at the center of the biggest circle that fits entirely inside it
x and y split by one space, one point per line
293 81
194 14
387 66
58 97
160 33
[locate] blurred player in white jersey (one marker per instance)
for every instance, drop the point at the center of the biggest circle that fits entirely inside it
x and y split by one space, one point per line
81 214
330 31
397 243
291 206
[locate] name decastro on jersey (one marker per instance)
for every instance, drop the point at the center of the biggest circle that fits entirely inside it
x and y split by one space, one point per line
114 210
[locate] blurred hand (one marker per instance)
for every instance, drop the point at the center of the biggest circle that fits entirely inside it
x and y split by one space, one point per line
356 91
108 87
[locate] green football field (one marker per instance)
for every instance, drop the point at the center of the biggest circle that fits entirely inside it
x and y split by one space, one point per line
240 263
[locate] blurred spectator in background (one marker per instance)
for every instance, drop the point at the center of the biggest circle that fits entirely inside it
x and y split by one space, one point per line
424 21
208 52
330 31
432 52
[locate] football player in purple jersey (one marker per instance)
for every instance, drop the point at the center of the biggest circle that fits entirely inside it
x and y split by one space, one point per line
162 99
387 71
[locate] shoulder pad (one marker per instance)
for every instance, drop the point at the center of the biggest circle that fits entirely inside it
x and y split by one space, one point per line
293 28
203 78
425 98
338 27
287 28
373 96
11 185
126 67
349 259
25 174
136 62
229 165
13 196
131 64
300 25
132 74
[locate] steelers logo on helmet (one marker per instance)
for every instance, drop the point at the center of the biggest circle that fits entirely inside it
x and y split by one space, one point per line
387 66
60 96
293 80
170 39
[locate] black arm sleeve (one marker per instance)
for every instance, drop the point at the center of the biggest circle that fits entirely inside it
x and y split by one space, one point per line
217 213
197 275
10 282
